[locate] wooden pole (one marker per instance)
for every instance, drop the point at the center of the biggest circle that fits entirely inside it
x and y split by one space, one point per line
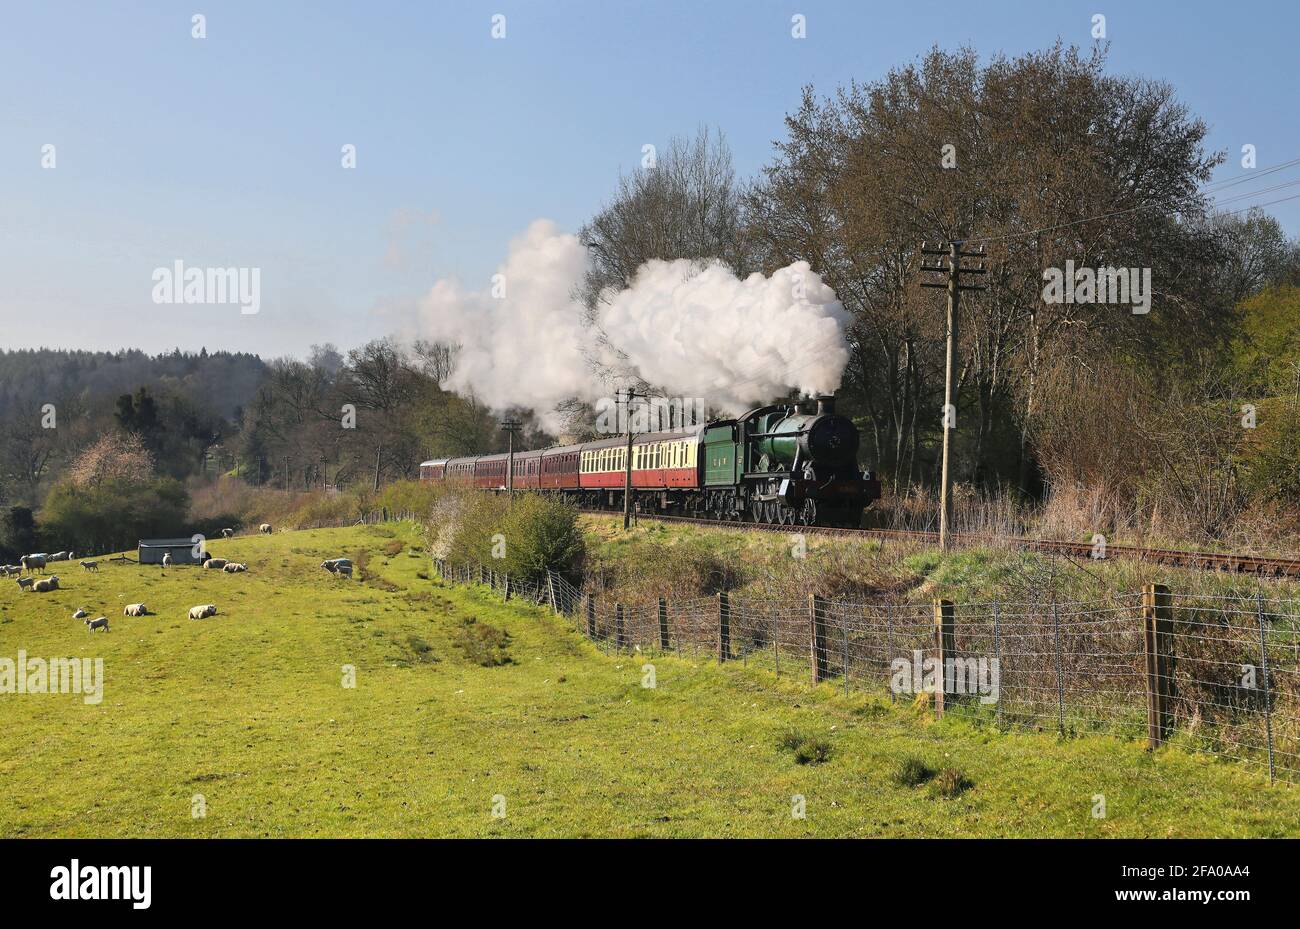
1158 636
724 628
663 624
945 642
817 637
591 617
620 639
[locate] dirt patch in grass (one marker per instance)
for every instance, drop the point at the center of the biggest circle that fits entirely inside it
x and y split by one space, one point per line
483 644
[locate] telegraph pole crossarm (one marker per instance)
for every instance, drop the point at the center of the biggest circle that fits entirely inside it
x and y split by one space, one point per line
627 474
511 426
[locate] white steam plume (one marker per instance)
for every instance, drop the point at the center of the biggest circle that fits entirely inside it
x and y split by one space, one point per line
694 332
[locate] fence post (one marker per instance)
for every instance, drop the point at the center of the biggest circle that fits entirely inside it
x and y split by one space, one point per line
482 574
1268 691
846 654
724 627
889 651
591 617
776 641
507 589
663 624
1060 675
997 657
945 643
817 637
620 640
1157 631
550 590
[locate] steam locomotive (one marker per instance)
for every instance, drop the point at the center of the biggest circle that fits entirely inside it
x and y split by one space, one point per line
787 464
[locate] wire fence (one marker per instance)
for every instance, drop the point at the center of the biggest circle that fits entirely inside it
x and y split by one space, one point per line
1212 673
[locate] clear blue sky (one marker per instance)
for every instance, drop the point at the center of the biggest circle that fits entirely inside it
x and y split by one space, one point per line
226 150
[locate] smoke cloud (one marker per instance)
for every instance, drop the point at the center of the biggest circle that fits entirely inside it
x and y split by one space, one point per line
695 332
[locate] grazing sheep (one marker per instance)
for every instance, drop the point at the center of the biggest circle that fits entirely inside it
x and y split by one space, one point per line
227 533
25 582
334 564
345 570
202 612
234 568
215 564
46 584
135 609
98 623
58 556
91 566
10 569
167 559
265 527
31 562
80 614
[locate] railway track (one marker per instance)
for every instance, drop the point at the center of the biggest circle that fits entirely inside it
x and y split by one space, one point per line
1262 565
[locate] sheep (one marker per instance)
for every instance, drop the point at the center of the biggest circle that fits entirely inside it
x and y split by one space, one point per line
234 568
135 609
265 527
80 614
345 570
10 569
91 566
98 623
227 533
333 564
215 564
25 582
202 612
58 556
46 584
31 562
167 560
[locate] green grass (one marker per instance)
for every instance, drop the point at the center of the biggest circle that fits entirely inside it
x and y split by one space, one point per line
247 708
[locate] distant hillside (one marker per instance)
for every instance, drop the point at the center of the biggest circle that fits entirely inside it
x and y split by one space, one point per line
220 382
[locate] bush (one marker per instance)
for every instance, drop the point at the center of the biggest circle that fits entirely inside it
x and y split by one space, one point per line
535 534
483 644
114 515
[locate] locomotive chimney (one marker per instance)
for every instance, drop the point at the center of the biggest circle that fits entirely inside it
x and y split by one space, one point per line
825 405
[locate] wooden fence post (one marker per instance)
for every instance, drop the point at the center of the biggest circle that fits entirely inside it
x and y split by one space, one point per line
550 591
507 589
1158 637
817 638
620 639
663 624
724 628
482 574
591 617
945 642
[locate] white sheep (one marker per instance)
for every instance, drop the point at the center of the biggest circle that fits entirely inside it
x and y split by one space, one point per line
333 564
91 566
25 582
135 609
265 527
215 564
80 614
227 533
46 584
99 623
234 568
345 570
58 556
201 612
31 562
167 559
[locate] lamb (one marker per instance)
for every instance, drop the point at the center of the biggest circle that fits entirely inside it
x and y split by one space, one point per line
99 623
135 609
215 564
46 584
202 612
227 533
91 566
25 582
80 614
265 527
10 569
31 562
234 568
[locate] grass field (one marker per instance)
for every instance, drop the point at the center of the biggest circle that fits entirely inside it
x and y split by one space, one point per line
248 710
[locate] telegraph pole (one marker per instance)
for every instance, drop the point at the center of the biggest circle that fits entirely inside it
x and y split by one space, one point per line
627 475
954 286
511 426
378 451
